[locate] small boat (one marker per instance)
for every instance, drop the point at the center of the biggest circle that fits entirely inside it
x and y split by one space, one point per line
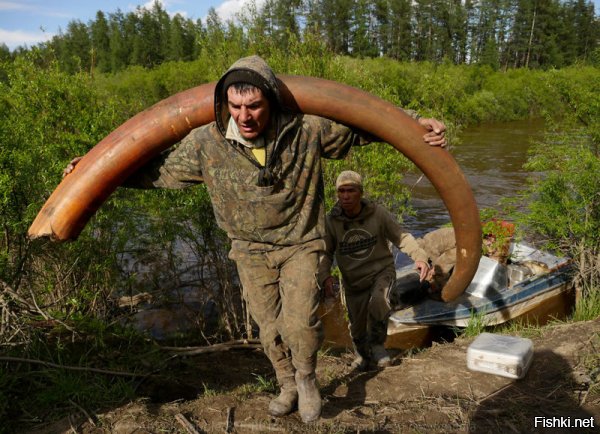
534 286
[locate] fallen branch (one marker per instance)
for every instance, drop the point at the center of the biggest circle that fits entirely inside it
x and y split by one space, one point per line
186 424
259 427
230 420
85 413
70 368
134 300
491 395
226 346
16 297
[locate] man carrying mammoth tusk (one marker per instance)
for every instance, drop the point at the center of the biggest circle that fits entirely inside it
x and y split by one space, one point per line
262 168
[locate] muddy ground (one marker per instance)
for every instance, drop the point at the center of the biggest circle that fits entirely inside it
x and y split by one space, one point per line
430 391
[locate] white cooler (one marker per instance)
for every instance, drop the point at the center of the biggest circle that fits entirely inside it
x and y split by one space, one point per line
508 356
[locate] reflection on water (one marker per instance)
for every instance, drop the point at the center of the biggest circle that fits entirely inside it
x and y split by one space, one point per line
491 156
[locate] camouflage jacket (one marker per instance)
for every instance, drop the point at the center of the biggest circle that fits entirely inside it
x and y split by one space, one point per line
362 245
290 211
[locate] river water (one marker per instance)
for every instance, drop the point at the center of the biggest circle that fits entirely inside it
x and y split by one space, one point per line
491 157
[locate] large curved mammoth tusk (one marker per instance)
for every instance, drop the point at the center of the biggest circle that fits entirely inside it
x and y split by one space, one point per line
150 132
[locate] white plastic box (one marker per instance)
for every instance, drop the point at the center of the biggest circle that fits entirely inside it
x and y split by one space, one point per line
508 356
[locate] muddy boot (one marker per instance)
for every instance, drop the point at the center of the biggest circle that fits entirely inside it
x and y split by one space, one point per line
360 363
309 399
287 400
381 356
362 355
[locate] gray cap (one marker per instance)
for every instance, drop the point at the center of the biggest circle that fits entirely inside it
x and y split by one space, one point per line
349 177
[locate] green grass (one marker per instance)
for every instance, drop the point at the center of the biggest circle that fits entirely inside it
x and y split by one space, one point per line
475 326
261 385
33 393
264 384
522 328
207 391
588 307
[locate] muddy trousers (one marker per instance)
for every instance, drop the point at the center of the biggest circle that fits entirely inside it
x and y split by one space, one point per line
368 312
280 289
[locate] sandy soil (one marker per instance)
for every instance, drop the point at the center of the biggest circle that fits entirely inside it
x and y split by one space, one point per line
430 391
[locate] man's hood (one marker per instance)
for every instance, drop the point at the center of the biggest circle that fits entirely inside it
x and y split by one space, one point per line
253 70
368 208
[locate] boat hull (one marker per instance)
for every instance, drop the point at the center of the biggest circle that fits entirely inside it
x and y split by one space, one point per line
337 335
554 303
492 299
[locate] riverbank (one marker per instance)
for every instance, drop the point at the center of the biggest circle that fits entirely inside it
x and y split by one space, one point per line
429 391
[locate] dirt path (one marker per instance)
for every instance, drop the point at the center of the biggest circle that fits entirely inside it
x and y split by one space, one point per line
429 392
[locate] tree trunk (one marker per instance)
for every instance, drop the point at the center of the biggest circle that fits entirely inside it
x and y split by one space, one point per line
530 39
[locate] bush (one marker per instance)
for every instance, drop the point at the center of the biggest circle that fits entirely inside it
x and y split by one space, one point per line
46 118
564 205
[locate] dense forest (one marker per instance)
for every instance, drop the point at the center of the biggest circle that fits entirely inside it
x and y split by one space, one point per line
500 33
